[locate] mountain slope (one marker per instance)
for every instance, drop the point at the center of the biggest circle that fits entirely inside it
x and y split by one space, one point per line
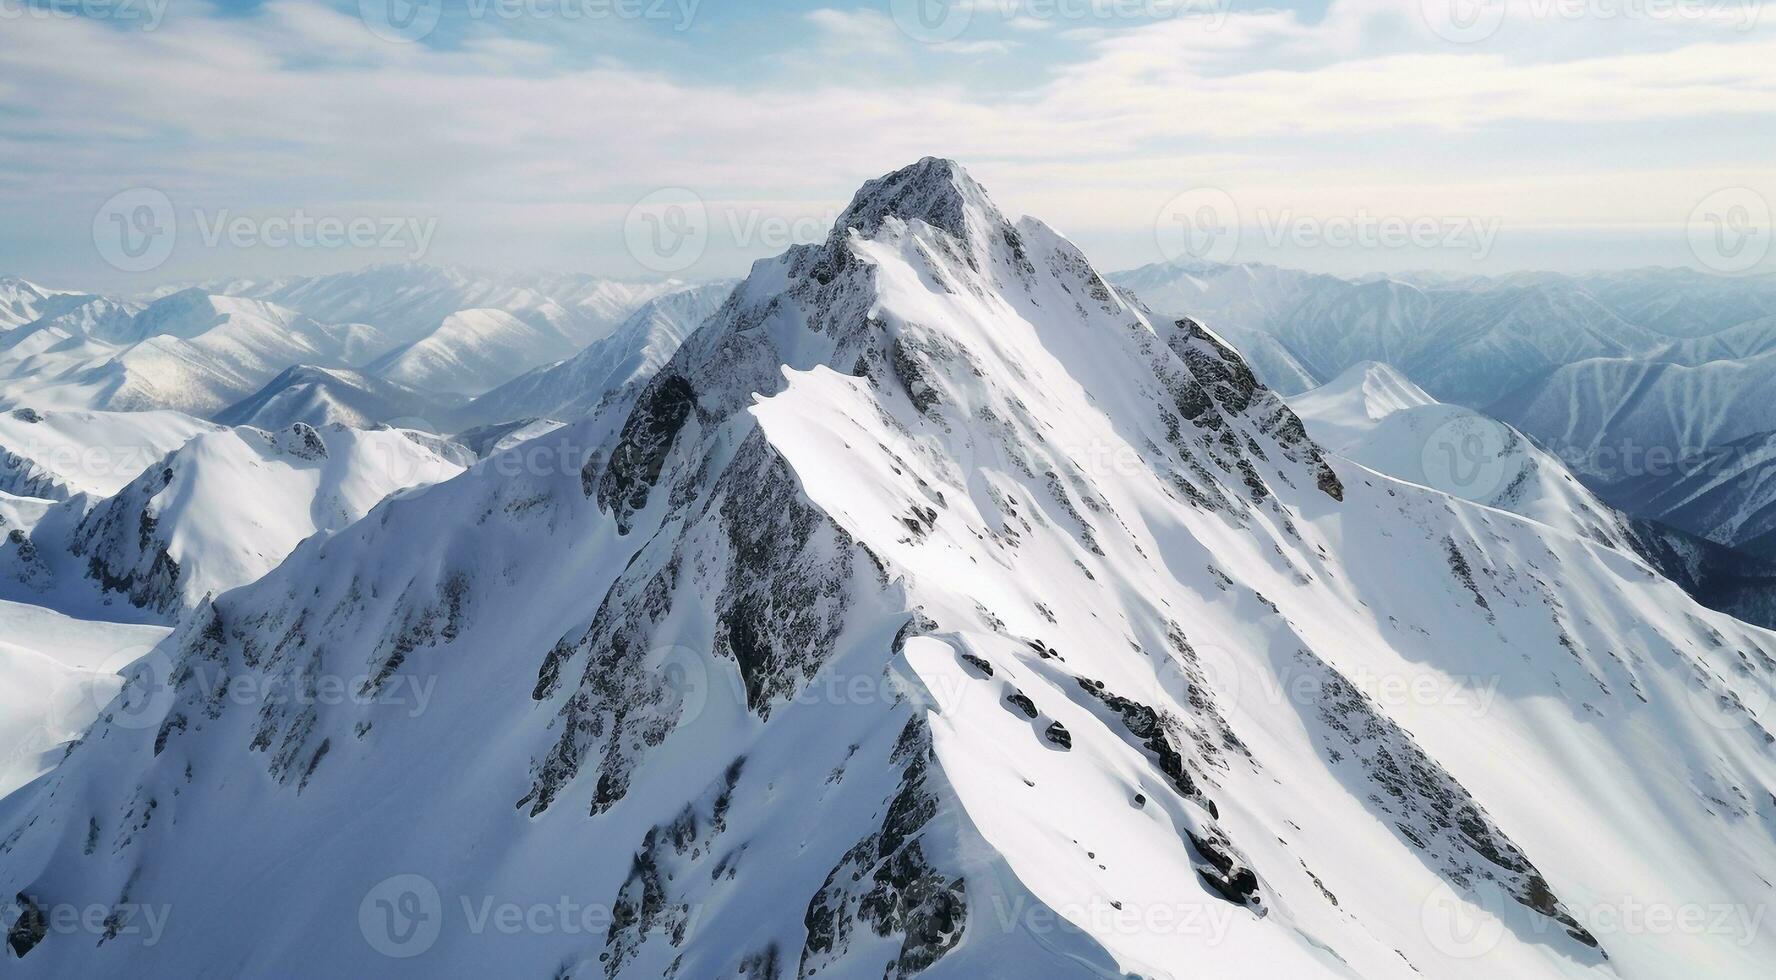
320 397
609 369
20 302
1466 340
1372 414
67 321
471 352
56 455
56 674
217 513
1615 419
1683 303
1727 494
188 351
407 301
932 612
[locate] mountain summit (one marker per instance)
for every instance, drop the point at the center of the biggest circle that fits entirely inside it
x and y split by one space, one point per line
931 611
936 191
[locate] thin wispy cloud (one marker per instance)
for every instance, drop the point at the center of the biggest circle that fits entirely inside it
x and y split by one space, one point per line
295 103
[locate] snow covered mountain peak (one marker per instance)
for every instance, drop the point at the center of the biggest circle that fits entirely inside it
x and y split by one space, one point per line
932 611
220 511
1374 415
191 312
1371 388
934 190
21 301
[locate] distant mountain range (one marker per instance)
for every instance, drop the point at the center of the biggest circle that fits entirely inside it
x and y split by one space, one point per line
931 609
404 343
1635 381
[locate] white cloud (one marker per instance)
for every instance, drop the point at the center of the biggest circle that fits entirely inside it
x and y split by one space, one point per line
301 106
976 48
848 32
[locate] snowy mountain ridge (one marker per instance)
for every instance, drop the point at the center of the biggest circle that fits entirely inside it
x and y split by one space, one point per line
1373 415
218 512
448 334
607 370
933 611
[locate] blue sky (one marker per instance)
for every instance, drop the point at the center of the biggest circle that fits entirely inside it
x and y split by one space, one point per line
1503 134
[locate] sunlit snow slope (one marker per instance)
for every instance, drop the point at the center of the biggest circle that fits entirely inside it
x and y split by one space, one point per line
217 513
933 612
